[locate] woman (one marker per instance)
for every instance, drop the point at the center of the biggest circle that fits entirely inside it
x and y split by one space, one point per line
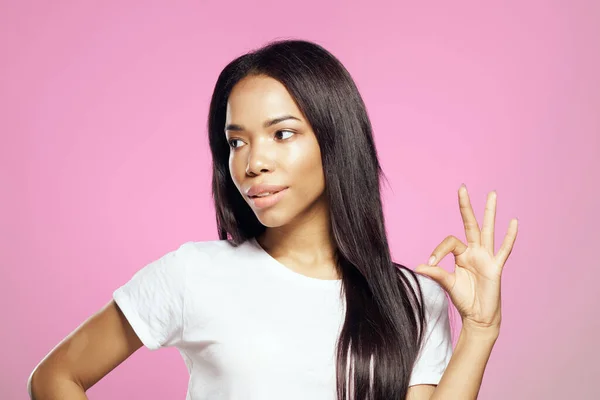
300 298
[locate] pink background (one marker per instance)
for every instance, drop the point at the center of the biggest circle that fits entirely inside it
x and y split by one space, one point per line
105 164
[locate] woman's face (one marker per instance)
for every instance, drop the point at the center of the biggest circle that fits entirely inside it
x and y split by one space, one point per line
272 143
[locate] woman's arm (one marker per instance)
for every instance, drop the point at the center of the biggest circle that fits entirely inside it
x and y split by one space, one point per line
474 288
463 375
84 357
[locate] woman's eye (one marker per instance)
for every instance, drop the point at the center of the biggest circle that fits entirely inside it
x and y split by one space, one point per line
231 142
282 134
286 131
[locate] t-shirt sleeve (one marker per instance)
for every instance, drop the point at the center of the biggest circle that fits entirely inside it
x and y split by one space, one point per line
153 300
436 348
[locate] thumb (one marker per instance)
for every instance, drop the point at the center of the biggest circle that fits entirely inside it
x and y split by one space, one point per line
438 274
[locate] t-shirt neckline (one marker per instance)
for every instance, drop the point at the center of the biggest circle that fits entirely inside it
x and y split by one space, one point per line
291 274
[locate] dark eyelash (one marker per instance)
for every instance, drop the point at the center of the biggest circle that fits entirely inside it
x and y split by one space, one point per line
229 142
285 130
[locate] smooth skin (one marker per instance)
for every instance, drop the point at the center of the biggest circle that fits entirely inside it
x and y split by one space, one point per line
84 357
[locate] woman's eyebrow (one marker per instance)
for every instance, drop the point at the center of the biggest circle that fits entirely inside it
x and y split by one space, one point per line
268 123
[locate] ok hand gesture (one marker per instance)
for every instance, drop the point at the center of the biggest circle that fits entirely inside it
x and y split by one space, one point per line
474 286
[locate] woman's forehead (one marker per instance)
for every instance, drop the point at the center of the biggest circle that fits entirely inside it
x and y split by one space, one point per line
254 100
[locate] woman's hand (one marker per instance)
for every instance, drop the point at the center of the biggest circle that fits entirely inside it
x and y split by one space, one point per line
474 286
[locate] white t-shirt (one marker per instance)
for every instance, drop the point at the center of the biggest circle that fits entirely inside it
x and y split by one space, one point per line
250 328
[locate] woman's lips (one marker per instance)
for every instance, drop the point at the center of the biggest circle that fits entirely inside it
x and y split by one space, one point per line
268 201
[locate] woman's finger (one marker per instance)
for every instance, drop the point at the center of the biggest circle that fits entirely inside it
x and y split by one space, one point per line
489 218
449 245
508 243
438 274
472 231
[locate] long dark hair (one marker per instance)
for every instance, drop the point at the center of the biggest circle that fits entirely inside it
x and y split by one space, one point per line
385 320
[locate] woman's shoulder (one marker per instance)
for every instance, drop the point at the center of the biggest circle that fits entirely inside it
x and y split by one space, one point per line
210 248
176 264
203 246
213 256
431 289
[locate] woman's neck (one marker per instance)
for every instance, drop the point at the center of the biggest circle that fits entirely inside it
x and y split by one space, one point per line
307 248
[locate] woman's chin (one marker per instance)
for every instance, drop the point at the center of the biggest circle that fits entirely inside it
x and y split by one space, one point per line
272 218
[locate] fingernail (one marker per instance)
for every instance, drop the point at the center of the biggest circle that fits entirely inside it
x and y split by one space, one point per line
431 260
